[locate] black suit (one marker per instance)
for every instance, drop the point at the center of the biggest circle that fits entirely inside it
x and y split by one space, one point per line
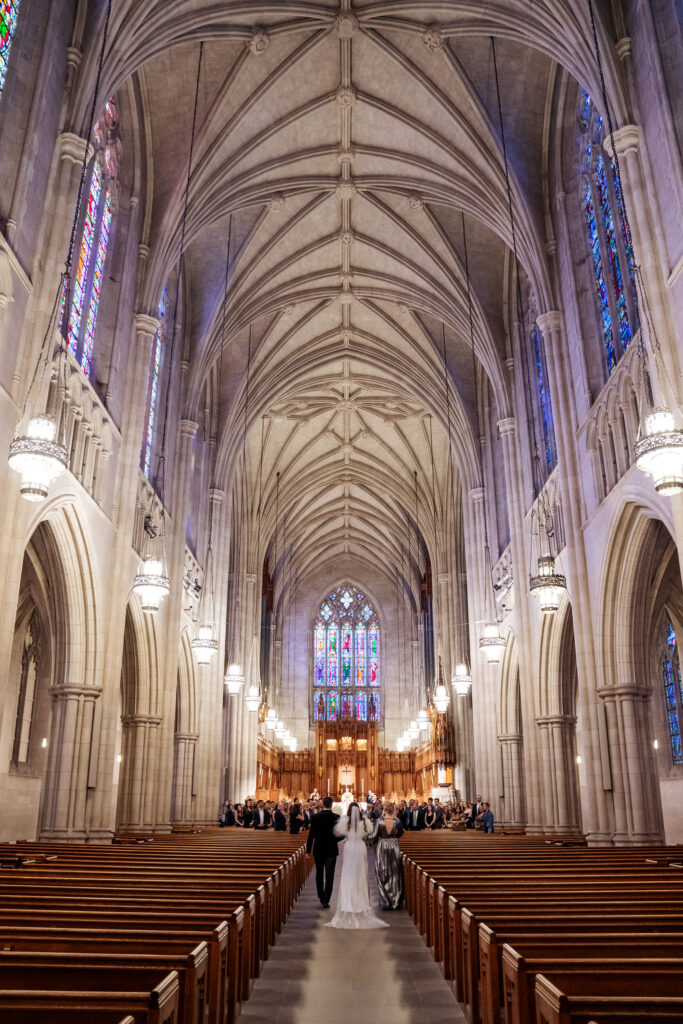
257 819
438 817
279 821
416 824
324 845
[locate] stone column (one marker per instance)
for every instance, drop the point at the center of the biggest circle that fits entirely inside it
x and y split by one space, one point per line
66 776
102 811
184 767
637 806
559 771
594 803
526 646
512 749
138 796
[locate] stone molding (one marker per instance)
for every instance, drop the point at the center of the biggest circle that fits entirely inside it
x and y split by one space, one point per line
626 141
72 147
507 426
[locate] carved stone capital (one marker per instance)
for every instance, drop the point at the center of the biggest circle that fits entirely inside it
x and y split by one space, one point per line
507 426
477 494
626 141
72 147
623 47
550 322
216 495
188 428
64 691
250 577
151 720
146 325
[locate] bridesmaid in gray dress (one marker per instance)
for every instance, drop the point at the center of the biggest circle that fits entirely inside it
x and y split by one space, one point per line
388 863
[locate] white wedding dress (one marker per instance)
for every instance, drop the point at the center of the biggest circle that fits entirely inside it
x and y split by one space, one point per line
353 905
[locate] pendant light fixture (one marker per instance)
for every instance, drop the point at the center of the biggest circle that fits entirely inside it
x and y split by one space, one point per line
659 446
462 680
252 698
36 453
234 679
441 698
205 644
152 582
546 583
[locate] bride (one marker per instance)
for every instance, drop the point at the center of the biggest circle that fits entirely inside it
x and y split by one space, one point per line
353 905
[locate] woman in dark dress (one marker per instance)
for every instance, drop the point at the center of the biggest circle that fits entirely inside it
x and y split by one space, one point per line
388 863
248 813
296 818
239 816
229 817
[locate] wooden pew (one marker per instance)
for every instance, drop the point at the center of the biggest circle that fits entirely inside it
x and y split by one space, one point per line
610 998
81 996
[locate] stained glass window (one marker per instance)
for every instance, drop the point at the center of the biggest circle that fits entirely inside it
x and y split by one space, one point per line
95 235
346 658
155 370
544 404
673 691
373 644
9 11
609 248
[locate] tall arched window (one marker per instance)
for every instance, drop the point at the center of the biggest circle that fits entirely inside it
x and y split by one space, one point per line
27 692
610 254
153 389
94 238
346 658
673 689
545 411
9 12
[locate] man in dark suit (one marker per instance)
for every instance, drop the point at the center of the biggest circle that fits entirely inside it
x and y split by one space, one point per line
438 814
416 817
323 845
261 817
279 819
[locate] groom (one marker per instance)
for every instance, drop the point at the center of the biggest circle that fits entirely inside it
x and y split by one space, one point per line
324 844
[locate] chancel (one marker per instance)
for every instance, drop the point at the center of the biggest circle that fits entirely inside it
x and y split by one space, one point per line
340 403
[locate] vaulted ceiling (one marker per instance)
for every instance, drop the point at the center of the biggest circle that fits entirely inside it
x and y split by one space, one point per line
346 146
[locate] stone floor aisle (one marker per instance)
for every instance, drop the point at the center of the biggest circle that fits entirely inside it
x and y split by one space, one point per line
318 975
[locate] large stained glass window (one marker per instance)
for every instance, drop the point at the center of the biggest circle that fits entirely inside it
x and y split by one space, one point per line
9 12
545 408
609 249
153 395
673 691
95 234
346 658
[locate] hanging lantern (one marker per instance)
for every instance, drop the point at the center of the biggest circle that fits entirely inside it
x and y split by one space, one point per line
280 729
659 452
204 645
400 744
292 744
441 699
234 679
252 698
423 720
271 718
413 730
462 680
151 584
548 586
38 457
492 643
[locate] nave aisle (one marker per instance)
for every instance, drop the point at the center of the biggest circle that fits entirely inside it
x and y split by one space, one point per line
318 975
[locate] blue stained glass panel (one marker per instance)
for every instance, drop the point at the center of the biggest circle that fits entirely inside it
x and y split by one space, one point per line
347 705
615 268
154 384
318 706
9 11
673 693
332 654
544 399
373 707
319 655
361 706
347 653
603 300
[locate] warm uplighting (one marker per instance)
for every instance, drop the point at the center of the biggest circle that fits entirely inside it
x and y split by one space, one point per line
548 586
38 458
43 742
118 759
441 699
204 645
491 643
252 698
462 680
151 584
656 744
578 758
234 679
659 452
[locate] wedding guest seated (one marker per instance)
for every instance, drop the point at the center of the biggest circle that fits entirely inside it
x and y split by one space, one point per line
239 816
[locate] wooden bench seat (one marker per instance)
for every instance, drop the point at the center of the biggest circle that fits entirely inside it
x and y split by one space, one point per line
609 998
82 995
